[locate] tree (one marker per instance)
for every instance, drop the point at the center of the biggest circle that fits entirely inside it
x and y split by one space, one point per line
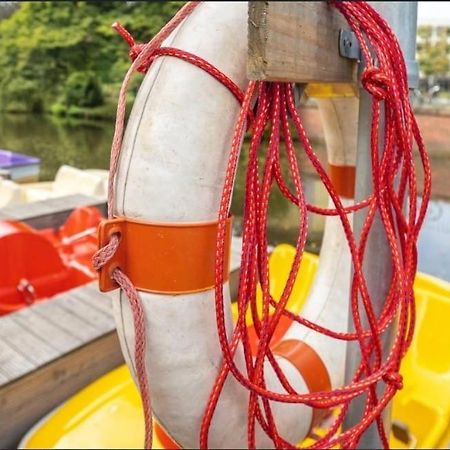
43 43
433 51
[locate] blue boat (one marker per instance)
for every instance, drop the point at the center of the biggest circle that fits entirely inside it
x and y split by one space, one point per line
19 167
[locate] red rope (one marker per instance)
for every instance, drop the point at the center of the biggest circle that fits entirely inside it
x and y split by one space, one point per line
104 254
386 81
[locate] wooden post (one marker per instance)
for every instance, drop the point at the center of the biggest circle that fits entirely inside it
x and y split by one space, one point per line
298 41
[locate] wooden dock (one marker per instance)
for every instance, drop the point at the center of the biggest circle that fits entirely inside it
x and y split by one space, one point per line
52 349
49 213
48 352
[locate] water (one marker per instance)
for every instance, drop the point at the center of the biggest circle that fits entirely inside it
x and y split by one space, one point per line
57 141
86 144
434 241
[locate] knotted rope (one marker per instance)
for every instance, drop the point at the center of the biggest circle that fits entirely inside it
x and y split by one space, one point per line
394 184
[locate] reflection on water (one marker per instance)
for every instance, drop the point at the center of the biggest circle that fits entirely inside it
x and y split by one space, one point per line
86 144
434 241
57 141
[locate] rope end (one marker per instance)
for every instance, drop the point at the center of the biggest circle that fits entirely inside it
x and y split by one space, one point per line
126 36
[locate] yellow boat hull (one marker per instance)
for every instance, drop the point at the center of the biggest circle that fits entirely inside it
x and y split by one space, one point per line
107 413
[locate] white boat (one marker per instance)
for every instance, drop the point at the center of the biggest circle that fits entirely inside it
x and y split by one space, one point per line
68 180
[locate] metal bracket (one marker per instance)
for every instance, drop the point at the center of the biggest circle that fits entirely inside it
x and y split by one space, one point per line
412 66
348 45
349 48
299 89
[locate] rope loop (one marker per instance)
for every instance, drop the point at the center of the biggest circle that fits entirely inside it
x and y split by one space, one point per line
104 254
376 82
394 379
394 184
136 48
134 52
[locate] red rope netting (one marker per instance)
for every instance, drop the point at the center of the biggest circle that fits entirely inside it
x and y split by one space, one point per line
394 185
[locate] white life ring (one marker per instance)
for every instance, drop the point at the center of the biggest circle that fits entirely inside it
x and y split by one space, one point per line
172 170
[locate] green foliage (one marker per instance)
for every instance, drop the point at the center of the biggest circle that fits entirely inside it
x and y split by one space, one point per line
433 51
22 96
83 89
67 51
107 111
58 109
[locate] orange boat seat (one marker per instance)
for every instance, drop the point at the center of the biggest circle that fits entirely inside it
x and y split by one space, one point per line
31 268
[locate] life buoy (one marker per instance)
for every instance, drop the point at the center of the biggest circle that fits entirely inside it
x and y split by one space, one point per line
169 183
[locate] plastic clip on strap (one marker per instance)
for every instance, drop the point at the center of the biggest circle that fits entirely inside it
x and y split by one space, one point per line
165 258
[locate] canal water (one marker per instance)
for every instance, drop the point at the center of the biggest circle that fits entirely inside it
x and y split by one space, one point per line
86 144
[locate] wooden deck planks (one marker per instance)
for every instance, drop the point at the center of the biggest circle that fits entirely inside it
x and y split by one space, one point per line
67 320
103 322
35 336
13 364
50 213
93 297
27 399
3 378
48 352
25 341
50 333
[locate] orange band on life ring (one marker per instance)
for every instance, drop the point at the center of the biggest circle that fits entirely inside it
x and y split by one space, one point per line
343 179
166 441
311 368
167 258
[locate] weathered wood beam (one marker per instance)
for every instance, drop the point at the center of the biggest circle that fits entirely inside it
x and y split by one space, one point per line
298 41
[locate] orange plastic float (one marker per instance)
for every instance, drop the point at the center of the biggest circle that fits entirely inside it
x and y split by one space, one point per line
39 264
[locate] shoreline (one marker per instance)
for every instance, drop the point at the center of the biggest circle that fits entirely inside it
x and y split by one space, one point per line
107 111
434 129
